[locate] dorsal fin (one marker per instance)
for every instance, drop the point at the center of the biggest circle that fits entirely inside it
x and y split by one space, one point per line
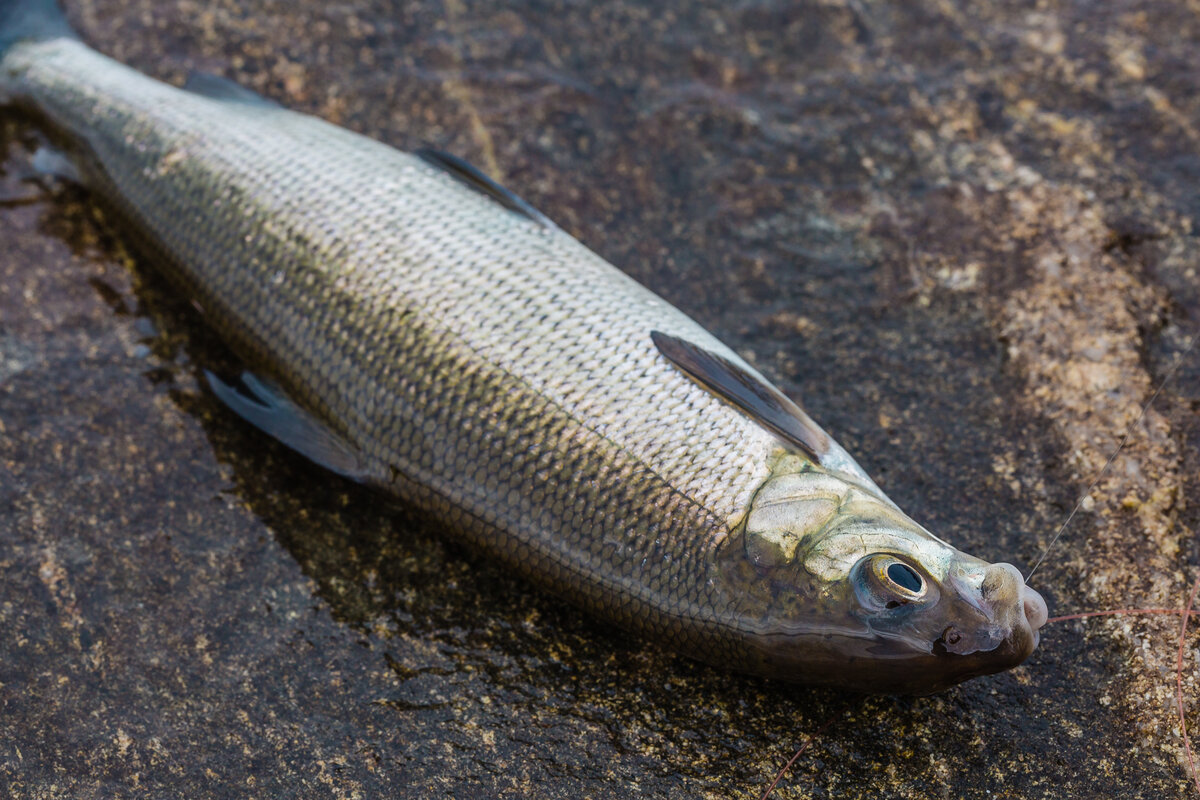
472 176
749 393
215 87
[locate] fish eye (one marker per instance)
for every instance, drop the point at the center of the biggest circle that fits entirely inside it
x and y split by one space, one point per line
903 575
885 581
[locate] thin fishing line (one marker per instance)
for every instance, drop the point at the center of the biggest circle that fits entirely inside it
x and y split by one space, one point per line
1124 439
807 743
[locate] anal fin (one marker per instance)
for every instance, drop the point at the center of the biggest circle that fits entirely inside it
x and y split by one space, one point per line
265 406
54 163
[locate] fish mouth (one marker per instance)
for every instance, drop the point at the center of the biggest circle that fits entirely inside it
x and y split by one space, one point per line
1007 628
1036 612
1006 589
1027 618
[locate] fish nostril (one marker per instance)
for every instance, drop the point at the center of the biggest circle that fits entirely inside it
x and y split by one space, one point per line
1035 608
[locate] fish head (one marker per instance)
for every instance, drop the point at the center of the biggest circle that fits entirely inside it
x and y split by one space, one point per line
869 600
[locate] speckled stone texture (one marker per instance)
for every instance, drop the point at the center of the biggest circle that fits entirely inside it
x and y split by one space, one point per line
965 234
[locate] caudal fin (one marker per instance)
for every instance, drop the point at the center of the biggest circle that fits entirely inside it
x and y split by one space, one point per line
31 20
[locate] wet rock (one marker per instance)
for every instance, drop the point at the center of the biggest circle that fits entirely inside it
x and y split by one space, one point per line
964 234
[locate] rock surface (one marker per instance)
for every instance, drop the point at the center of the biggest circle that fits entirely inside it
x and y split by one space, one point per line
965 232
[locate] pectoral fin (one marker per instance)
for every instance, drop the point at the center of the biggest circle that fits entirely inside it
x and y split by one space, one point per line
749 393
265 406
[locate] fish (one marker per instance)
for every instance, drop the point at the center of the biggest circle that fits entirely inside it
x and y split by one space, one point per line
409 324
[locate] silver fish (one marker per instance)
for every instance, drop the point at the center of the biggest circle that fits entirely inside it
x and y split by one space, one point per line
411 325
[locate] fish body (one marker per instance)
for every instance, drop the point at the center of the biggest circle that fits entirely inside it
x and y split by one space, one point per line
416 328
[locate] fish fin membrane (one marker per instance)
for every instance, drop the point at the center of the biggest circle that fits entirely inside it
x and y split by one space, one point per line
265 406
472 176
31 21
747 392
215 87
55 163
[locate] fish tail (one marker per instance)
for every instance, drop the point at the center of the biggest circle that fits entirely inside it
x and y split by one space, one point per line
26 21
31 21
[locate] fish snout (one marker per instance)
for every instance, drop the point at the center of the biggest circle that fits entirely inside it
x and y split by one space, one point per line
1036 612
1015 606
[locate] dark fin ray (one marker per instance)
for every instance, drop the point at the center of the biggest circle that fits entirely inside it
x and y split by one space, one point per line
472 176
267 408
758 399
215 87
31 20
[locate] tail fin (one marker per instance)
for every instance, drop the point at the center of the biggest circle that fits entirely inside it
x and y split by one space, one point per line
31 20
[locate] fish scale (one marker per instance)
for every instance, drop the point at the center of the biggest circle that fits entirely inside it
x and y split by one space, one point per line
394 248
